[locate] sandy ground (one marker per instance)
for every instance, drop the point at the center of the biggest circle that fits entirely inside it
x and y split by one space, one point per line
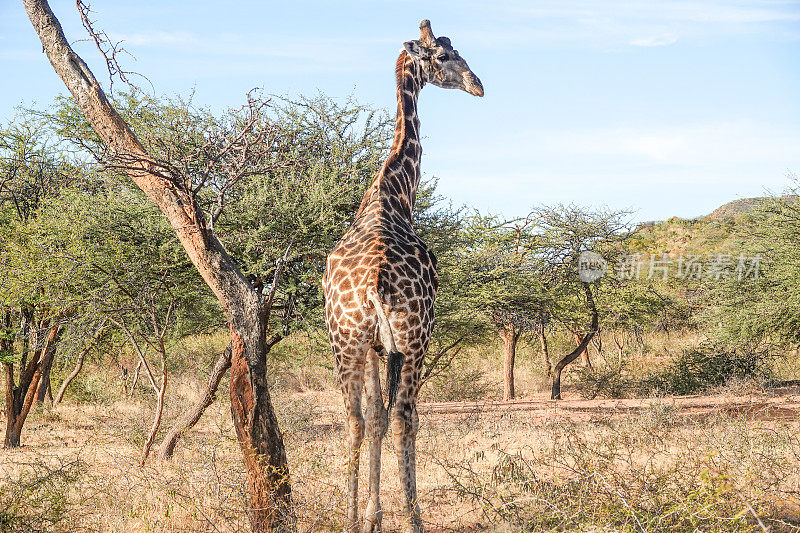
778 404
202 488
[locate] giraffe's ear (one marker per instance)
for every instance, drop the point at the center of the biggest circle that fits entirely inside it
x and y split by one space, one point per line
415 49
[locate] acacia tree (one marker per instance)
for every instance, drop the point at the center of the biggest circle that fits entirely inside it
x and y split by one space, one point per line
754 307
100 329
36 288
457 324
147 288
281 223
497 276
562 234
177 196
20 396
627 307
278 223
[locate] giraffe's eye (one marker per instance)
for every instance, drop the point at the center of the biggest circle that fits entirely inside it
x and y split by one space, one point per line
441 57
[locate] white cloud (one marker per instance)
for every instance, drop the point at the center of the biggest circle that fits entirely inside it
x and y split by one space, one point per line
656 40
235 52
659 23
711 154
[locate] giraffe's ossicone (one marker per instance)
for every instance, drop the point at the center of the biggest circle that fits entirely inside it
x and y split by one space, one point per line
380 284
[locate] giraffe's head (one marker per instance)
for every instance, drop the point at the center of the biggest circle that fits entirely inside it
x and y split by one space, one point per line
441 63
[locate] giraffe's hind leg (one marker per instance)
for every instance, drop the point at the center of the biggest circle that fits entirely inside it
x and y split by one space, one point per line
376 423
405 423
352 383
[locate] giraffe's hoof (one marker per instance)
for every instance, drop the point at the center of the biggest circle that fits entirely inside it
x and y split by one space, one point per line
372 518
373 527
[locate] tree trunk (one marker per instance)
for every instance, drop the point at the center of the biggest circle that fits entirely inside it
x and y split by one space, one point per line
257 429
556 390
135 379
27 320
20 398
13 432
191 418
78 365
46 364
597 341
620 342
545 352
585 353
159 404
510 337
12 392
44 386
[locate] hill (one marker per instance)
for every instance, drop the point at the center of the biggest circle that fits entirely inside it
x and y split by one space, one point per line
742 206
710 234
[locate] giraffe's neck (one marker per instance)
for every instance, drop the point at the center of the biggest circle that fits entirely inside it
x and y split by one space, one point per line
396 183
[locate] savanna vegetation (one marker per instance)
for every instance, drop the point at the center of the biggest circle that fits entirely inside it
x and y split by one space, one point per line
116 347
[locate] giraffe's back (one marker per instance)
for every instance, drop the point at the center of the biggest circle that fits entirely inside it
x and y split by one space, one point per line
381 253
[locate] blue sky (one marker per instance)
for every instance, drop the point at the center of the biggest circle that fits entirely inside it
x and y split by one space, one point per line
664 107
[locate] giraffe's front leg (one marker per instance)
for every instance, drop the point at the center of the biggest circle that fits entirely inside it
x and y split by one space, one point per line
405 423
377 421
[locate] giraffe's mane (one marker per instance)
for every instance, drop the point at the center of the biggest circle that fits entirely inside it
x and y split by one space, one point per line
400 71
400 128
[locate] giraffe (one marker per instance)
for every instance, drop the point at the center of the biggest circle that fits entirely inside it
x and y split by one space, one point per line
380 283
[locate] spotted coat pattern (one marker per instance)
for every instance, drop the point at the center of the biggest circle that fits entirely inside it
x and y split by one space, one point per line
380 285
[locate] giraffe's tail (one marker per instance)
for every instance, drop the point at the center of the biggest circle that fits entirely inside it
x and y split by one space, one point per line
394 367
396 359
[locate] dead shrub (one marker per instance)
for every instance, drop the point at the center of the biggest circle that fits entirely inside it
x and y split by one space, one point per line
458 385
650 474
41 498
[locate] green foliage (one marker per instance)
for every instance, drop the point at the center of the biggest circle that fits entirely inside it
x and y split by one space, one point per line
761 310
494 276
306 201
631 305
698 370
7 339
275 180
559 235
36 253
8 356
458 323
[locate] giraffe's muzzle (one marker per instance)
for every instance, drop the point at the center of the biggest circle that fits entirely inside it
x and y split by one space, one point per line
472 84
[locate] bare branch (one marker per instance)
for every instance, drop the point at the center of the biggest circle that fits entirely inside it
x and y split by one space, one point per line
108 49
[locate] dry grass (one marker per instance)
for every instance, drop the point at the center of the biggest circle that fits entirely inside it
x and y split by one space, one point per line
651 472
650 465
